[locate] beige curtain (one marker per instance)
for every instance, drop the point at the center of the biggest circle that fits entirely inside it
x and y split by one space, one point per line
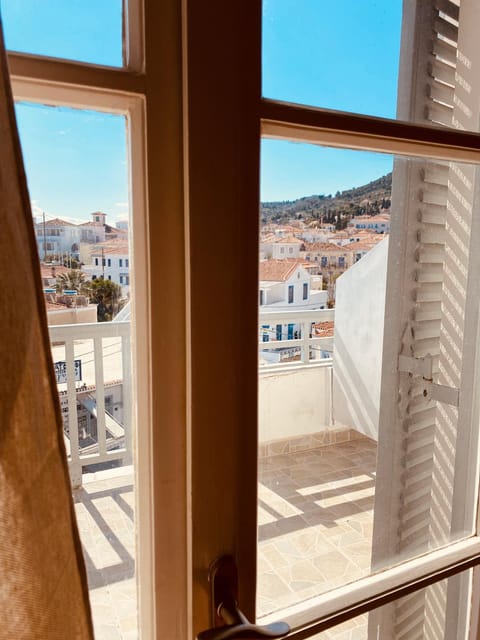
43 589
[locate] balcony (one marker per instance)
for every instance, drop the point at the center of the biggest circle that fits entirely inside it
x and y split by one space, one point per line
316 476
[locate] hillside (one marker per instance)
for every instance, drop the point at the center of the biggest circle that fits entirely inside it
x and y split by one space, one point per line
337 209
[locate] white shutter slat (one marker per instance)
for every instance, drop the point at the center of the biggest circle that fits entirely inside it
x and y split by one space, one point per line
433 214
427 311
429 273
421 422
439 113
431 330
441 93
432 235
442 68
424 348
446 29
448 8
415 509
444 53
428 292
419 404
435 173
433 194
430 255
418 487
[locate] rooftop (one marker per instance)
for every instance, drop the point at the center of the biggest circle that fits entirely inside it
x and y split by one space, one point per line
278 270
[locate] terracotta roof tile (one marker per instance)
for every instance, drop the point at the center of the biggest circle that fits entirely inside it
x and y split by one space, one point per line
278 270
323 329
56 222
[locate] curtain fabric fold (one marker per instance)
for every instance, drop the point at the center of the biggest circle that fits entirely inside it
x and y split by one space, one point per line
43 588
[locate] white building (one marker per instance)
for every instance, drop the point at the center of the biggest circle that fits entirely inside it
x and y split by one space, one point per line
111 261
57 237
285 285
377 224
279 248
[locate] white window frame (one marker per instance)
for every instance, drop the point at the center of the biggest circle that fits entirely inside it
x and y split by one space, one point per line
184 420
127 91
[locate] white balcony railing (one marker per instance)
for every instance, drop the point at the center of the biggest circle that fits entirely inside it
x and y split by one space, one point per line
106 364
306 345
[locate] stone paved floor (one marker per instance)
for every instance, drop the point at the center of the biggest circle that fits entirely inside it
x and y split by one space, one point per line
105 518
315 526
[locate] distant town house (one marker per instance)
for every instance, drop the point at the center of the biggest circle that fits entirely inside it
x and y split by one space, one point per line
377 224
57 238
286 285
111 261
328 256
279 248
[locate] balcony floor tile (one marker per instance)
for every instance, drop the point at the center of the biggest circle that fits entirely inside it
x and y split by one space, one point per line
316 514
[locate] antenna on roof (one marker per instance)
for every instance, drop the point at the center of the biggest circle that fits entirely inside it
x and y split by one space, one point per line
44 240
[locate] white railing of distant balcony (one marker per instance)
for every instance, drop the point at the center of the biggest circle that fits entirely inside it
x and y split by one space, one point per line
306 343
119 445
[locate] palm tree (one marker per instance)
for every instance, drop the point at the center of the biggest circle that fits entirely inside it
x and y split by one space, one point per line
73 279
107 295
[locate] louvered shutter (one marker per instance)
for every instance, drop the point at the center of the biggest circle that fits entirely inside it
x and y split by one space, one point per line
427 438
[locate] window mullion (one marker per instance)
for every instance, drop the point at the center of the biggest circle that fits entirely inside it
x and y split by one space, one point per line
345 130
51 72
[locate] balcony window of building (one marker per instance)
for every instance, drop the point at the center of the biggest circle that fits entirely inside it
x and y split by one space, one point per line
291 290
305 291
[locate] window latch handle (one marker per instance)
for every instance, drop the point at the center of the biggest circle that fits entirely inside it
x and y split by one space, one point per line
229 621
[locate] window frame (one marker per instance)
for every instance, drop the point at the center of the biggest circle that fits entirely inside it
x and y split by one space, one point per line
168 65
291 293
139 91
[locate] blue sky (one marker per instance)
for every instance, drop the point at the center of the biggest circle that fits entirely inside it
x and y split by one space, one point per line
76 161
335 54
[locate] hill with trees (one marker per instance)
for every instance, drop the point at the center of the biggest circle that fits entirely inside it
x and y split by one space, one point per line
338 209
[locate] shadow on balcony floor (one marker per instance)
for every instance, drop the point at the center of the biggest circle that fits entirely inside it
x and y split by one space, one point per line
105 519
315 525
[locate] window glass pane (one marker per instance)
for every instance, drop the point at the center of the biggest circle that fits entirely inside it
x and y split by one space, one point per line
83 30
416 61
77 171
368 431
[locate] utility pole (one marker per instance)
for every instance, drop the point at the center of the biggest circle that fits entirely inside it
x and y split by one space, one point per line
44 240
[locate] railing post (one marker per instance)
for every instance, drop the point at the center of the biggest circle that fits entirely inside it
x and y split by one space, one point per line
75 465
127 397
305 342
100 395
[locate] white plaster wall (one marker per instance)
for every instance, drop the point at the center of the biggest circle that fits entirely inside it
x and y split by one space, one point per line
73 316
294 403
358 342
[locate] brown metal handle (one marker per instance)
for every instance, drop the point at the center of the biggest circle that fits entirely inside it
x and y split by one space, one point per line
223 581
